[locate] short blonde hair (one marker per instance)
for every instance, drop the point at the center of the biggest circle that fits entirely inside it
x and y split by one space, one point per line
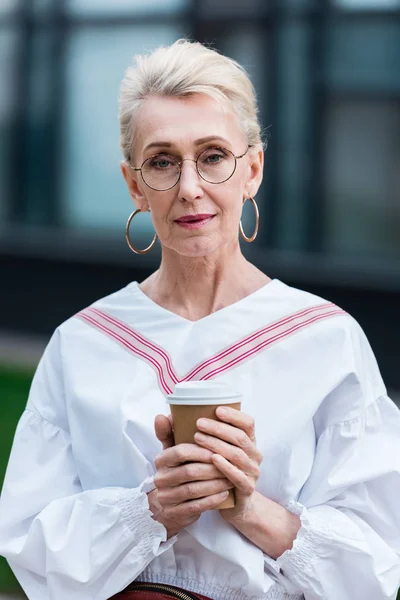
182 69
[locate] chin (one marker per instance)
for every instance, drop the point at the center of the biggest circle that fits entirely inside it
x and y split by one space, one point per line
196 248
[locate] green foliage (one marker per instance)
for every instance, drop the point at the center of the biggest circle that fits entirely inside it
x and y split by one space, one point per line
14 389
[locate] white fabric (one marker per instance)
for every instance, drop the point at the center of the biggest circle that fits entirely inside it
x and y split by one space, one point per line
74 516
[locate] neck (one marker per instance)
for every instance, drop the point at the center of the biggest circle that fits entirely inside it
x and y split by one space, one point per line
196 287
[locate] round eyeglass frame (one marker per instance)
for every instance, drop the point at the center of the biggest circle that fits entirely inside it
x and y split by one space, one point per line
179 164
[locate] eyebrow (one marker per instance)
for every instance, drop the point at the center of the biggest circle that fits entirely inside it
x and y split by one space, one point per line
198 142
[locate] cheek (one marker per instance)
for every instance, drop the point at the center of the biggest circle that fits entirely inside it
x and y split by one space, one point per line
160 210
231 204
160 205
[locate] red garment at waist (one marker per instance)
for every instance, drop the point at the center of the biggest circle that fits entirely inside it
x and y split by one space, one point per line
153 594
145 595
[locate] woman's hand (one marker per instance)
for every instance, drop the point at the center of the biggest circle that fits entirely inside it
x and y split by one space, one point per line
235 454
187 482
264 522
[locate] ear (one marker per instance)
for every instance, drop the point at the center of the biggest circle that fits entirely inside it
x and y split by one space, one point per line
255 171
135 189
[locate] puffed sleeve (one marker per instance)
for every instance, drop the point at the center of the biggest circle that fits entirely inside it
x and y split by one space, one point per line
61 541
348 545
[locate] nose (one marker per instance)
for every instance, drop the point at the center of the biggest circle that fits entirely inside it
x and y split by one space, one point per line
190 187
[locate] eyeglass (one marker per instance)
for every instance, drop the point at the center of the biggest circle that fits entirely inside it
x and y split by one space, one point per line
162 171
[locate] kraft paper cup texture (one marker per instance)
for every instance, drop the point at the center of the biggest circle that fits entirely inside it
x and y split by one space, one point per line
185 417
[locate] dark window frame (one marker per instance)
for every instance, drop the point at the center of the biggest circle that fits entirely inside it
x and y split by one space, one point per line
45 239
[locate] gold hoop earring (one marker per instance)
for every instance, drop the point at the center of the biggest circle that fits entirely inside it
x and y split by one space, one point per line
253 237
128 241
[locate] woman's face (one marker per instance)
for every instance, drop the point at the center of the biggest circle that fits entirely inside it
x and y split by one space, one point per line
182 128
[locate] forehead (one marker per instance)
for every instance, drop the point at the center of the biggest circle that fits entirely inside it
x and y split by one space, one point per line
181 121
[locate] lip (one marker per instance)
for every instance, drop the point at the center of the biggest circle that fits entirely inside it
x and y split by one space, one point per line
194 221
194 218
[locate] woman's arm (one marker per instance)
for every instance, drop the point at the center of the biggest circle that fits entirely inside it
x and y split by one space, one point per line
264 522
348 514
268 525
61 541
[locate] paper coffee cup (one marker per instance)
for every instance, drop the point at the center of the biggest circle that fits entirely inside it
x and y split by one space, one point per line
194 399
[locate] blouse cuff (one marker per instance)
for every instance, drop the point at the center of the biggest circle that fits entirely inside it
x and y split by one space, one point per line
312 535
272 564
138 518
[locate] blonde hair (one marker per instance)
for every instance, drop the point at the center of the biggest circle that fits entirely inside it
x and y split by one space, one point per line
182 69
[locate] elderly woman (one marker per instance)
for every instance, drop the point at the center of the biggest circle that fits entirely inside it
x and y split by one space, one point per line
97 498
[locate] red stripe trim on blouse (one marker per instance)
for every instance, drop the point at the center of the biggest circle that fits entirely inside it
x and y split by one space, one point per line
160 361
262 333
154 364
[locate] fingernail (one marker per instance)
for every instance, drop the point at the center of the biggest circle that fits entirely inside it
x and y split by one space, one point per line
222 412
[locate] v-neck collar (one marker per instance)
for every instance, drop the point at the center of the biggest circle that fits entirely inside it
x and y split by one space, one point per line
243 346
146 300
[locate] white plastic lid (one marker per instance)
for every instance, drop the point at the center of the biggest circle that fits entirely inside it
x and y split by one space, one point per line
203 392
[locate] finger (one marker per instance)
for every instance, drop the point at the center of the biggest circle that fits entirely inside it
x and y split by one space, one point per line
164 432
193 471
243 484
237 418
192 490
232 453
187 511
229 433
182 453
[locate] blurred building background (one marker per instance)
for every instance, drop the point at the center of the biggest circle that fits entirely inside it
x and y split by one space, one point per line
327 74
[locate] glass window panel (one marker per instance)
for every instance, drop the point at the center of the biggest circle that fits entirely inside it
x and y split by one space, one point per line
364 54
367 4
9 40
291 132
8 47
95 193
128 7
42 7
362 177
298 3
40 82
39 171
232 8
8 6
249 47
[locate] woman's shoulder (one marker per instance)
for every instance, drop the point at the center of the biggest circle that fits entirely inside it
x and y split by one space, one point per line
299 296
308 307
342 341
74 343
337 328
118 302
74 336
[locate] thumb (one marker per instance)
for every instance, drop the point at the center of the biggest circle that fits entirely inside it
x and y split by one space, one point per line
164 432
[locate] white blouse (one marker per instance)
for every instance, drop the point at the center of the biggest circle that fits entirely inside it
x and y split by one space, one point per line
74 516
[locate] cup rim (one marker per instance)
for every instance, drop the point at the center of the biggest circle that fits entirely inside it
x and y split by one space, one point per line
234 398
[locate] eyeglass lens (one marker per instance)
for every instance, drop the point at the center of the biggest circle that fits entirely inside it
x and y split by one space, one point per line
214 165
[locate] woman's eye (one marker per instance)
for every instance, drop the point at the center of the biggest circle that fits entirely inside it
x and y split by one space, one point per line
214 158
161 162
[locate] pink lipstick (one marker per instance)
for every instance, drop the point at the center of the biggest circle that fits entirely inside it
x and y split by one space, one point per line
194 221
